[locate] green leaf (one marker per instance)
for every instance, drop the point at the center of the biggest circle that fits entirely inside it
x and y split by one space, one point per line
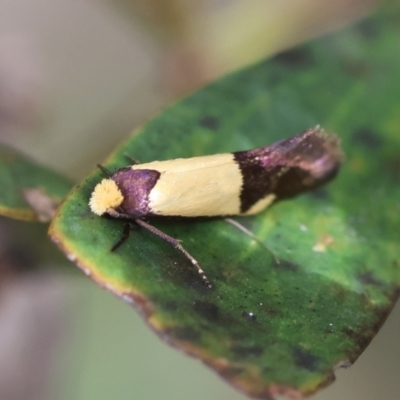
270 328
29 191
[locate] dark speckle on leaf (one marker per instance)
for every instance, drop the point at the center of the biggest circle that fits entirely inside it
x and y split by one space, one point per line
273 312
207 310
185 333
366 137
295 58
305 359
286 265
209 122
368 278
247 351
170 305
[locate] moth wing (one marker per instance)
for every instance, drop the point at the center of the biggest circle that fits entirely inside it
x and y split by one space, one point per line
198 186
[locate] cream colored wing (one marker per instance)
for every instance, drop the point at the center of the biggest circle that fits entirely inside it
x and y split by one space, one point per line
199 186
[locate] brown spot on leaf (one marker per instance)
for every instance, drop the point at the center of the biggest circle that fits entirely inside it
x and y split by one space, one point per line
207 310
360 339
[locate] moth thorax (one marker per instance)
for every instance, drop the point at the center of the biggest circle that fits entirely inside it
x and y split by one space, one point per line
105 196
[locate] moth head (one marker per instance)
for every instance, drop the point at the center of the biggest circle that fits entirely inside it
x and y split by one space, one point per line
105 196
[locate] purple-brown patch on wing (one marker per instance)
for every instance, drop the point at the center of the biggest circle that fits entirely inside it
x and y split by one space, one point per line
288 167
135 186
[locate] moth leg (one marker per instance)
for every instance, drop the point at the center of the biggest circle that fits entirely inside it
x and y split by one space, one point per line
124 237
132 160
176 245
239 226
105 171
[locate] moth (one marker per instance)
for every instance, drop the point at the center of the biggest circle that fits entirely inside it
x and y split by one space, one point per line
231 184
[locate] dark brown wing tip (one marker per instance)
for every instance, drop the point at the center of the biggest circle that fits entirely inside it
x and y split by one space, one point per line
330 142
321 150
313 158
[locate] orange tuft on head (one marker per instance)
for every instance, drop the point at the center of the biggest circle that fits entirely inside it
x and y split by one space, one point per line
105 196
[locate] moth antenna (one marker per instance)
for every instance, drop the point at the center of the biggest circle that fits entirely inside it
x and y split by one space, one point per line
104 170
243 229
176 245
132 160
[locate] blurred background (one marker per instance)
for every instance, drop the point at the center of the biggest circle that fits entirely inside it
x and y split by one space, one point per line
76 78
